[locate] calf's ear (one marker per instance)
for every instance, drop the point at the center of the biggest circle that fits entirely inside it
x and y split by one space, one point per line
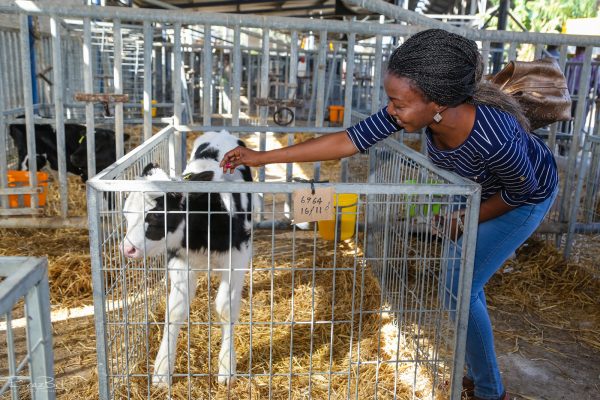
148 169
202 176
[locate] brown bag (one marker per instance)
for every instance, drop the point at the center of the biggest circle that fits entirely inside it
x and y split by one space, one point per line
540 88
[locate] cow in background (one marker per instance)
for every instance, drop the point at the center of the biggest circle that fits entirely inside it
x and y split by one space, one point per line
75 145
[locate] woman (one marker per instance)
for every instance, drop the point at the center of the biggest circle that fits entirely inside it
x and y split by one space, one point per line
434 81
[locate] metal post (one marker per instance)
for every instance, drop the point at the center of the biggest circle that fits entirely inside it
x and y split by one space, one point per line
148 37
95 235
3 141
39 339
118 84
499 47
320 104
89 88
27 96
464 292
584 86
57 72
348 94
237 77
178 81
207 76
376 89
576 199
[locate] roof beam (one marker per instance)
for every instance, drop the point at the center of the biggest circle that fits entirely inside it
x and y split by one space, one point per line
223 3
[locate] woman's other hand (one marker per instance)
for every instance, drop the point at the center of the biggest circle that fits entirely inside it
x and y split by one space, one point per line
240 156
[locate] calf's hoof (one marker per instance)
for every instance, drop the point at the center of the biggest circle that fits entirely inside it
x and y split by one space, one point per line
160 380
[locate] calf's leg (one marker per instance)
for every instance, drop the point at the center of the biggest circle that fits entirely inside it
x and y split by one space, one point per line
183 289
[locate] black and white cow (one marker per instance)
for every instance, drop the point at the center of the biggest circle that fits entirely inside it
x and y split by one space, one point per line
45 145
104 147
75 147
217 224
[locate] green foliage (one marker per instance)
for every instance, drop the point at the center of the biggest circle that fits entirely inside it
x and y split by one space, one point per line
547 15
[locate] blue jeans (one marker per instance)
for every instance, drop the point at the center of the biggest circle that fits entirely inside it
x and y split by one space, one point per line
497 239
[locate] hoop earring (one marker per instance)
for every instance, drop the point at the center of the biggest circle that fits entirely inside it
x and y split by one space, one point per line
437 117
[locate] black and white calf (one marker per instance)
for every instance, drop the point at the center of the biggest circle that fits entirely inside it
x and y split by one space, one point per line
75 147
217 224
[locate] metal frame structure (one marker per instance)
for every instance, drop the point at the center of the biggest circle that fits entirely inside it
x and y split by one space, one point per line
24 293
402 252
266 48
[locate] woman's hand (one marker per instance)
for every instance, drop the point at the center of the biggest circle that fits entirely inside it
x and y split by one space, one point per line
452 226
241 156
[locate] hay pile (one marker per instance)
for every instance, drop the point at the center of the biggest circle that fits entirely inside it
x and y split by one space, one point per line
263 350
69 265
76 197
560 294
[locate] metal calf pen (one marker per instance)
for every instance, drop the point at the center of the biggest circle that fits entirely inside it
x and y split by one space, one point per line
26 368
361 318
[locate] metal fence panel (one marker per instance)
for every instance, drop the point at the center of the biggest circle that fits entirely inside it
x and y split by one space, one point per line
26 368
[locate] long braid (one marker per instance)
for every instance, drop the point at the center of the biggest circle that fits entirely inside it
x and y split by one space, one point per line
448 69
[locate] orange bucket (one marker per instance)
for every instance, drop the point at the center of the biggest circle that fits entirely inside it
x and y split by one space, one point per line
21 179
336 114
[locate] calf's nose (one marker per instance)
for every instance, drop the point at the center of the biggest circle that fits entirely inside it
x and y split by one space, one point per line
129 251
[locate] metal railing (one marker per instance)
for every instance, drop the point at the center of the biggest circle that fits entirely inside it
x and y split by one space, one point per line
24 294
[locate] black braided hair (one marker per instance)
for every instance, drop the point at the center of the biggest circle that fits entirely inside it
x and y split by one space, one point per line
448 69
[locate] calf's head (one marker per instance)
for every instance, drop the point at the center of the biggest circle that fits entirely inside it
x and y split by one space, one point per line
151 220
104 143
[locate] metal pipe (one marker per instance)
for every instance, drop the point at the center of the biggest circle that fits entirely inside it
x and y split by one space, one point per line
207 76
348 95
57 73
148 37
58 8
118 84
88 84
578 133
3 129
264 93
376 89
28 98
236 68
320 99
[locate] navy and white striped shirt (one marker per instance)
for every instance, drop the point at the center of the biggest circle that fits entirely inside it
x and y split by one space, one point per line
498 154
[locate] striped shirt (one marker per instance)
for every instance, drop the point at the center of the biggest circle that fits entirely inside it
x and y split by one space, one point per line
498 154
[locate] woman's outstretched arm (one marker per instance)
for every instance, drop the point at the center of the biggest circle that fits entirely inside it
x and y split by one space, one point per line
326 147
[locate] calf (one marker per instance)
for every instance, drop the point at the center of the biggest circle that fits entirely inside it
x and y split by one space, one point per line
45 146
104 145
75 147
216 228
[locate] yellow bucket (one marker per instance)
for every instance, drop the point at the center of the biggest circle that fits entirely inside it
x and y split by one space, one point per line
345 211
153 110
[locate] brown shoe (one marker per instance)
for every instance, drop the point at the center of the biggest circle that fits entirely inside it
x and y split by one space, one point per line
468 388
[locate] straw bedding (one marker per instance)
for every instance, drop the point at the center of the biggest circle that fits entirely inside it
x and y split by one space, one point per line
539 285
283 296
